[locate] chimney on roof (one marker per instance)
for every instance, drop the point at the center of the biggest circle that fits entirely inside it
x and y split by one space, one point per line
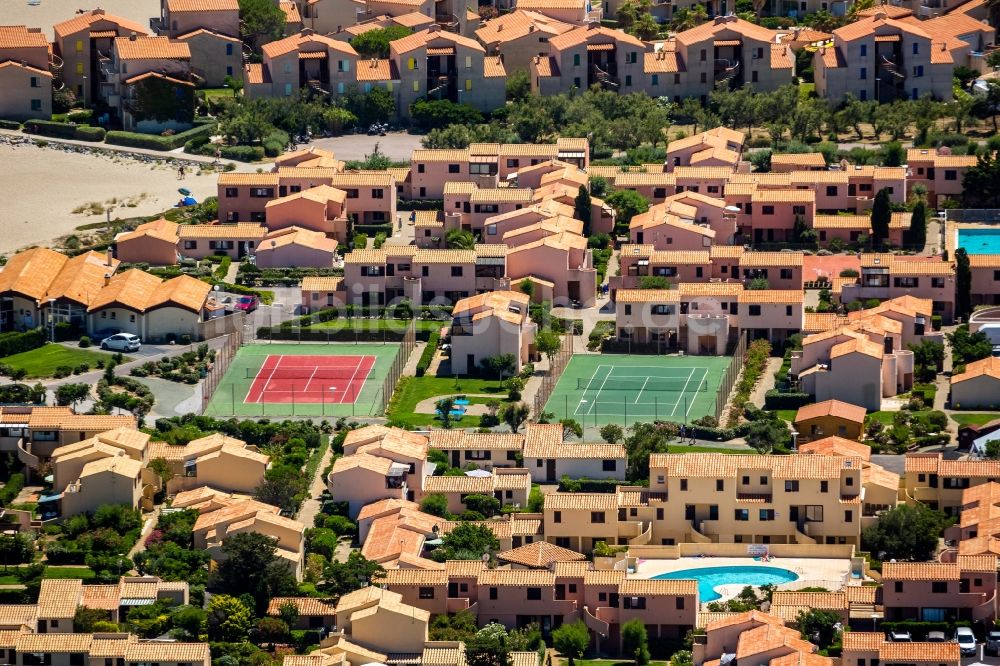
306 32
107 279
880 16
500 28
719 20
131 36
434 27
593 25
111 256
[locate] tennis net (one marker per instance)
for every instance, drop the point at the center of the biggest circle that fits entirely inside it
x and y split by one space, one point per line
642 384
291 372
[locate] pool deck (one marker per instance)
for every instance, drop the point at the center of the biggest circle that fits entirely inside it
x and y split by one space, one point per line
828 573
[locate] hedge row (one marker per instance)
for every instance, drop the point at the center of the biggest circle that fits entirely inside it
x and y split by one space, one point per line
158 142
715 434
568 485
775 399
919 629
399 311
238 153
420 204
64 130
12 488
15 343
427 355
10 124
330 335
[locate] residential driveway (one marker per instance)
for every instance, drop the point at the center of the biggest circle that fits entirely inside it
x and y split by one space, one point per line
397 146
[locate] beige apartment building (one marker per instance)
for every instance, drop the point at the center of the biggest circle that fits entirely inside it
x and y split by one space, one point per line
888 276
211 29
490 324
938 591
589 55
937 170
724 499
26 73
978 387
217 461
82 42
940 483
133 60
34 433
884 59
862 647
520 36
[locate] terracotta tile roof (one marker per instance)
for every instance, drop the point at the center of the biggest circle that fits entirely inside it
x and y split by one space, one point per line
464 568
21 37
978 563
722 25
431 39
863 641
377 70
410 577
784 196
800 160
307 41
837 446
911 652
539 554
690 290
581 501
719 465
203 5
493 67
150 651
988 367
314 283
58 599
30 272
305 605
54 643
517 24
517 578
920 571
250 230
834 408
14 615
822 600
442 656
151 48
571 451
591 35
650 587
732 619
83 21
297 236
101 597
770 259
160 229
783 296
662 62
857 345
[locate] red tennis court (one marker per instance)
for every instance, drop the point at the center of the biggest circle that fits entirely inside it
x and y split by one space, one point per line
317 379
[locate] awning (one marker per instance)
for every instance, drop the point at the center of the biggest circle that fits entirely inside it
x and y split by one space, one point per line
103 34
887 38
136 602
727 42
49 498
600 47
312 55
571 155
442 50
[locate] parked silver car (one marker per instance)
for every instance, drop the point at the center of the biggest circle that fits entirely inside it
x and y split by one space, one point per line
125 342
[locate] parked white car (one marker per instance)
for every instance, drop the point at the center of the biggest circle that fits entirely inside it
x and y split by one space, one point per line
966 641
122 342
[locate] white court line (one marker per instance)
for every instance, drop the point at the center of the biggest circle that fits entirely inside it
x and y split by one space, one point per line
598 396
683 391
704 378
576 412
309 381
351 383
264 390
642 389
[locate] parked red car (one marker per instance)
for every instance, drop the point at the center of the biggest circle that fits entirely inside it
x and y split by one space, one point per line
247 303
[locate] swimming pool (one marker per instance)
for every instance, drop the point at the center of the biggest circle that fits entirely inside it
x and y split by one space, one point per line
980 241
711 577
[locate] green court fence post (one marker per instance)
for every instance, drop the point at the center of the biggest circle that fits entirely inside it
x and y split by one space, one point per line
293 399
625 404
656 408
685 409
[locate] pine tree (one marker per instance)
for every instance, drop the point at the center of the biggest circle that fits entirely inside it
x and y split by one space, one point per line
582 209
918 226
881 216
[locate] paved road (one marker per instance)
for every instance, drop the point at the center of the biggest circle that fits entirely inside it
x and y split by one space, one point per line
397 146
311 506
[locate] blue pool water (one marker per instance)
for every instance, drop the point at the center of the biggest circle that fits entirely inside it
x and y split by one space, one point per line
711 577
980 241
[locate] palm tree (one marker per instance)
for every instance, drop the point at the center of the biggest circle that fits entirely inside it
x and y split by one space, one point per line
459 239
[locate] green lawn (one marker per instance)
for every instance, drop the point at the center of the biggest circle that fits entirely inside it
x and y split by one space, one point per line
966 419
83 573
412 390
212 93
883 417
786 414
42 362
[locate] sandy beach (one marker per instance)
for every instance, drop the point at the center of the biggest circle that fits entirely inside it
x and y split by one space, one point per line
50 12
42 187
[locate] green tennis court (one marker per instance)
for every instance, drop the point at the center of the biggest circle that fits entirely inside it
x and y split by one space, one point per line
304 380
596 389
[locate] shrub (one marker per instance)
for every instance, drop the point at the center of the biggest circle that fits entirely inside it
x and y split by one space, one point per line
50 128
427 355
157 142
15 343
84 342
11 489
775 399
87 133
10 124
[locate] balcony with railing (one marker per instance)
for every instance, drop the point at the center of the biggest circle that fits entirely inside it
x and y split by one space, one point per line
25 455
696 534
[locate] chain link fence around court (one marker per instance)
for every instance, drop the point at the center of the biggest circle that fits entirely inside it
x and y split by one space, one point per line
730 375
227 394
557 364
223 358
